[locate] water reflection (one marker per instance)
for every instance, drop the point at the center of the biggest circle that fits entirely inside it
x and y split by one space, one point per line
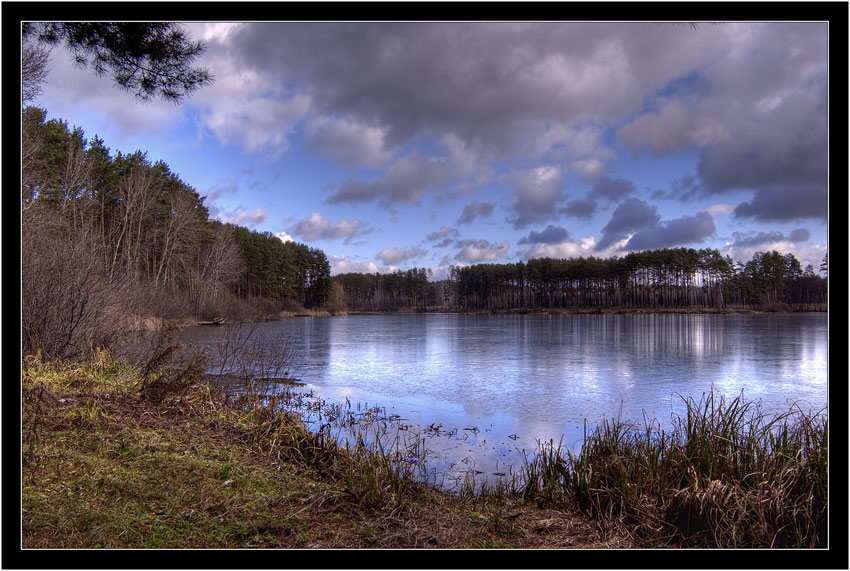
522 379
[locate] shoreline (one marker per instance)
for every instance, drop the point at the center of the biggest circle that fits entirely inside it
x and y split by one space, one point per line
154 323
616 310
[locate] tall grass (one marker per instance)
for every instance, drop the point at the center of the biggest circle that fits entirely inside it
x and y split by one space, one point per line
726 475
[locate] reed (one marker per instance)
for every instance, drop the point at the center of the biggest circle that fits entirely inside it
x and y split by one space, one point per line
726 475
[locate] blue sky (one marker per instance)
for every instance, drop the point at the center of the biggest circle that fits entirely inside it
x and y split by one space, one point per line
393 145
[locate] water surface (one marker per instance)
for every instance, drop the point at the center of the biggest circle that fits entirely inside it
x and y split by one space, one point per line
501 384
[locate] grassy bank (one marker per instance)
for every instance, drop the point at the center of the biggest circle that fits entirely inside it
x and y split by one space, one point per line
114 457
122 456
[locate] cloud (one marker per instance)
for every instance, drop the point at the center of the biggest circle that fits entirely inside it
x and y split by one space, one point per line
758 123
588 168
345 265
799 235
551 235
562 251
406 180
671 129
445 235
221 186
284 237
630 216
348 141
537 192
394 256
786 203
68 88
475 210
580 208
317 227
474 251
807 253
673 233
606 190
720 209
753 239
612 189
242 217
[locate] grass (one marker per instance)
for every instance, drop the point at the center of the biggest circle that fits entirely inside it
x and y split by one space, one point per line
115 456
726 476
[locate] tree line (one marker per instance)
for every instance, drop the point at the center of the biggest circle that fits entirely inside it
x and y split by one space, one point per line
665 278
106 235
402 289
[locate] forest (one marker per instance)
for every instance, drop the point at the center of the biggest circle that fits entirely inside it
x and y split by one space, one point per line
668 278
107 238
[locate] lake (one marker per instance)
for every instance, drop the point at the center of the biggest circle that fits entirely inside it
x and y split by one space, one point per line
481 389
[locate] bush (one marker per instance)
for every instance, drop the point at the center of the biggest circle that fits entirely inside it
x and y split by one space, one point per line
69 303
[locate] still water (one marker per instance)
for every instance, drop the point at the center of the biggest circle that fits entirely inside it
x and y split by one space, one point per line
488 387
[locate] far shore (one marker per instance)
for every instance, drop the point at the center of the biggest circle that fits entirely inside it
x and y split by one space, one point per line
153 323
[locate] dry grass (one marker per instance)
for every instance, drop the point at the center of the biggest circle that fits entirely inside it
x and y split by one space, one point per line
725 476
106 465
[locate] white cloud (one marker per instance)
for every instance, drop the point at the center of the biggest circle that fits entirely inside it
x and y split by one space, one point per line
807 253
317 227
584 247
345 265
473 251
393 256
720 209
537 192
242 217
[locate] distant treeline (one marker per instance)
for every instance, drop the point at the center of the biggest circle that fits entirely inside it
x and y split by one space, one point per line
668 278
108 236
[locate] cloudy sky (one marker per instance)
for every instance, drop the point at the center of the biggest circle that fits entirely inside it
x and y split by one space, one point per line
394 145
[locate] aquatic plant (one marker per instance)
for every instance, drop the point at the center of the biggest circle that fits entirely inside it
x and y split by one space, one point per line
726 475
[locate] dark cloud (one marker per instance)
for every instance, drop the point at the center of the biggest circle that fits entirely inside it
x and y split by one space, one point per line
754 239
475 210
612 189
749 239
672 233
550 235
686 188
630 216
799 235
785 203
445 235
406 180
758 123
580 208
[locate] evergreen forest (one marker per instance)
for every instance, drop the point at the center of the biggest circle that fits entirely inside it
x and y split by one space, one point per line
667 278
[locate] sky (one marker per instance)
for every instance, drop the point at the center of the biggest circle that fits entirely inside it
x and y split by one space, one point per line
399 145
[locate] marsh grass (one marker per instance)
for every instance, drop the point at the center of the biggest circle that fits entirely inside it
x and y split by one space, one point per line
726 475
155 455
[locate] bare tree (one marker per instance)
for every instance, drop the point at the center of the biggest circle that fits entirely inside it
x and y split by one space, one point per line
34 71
136 194
68 303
